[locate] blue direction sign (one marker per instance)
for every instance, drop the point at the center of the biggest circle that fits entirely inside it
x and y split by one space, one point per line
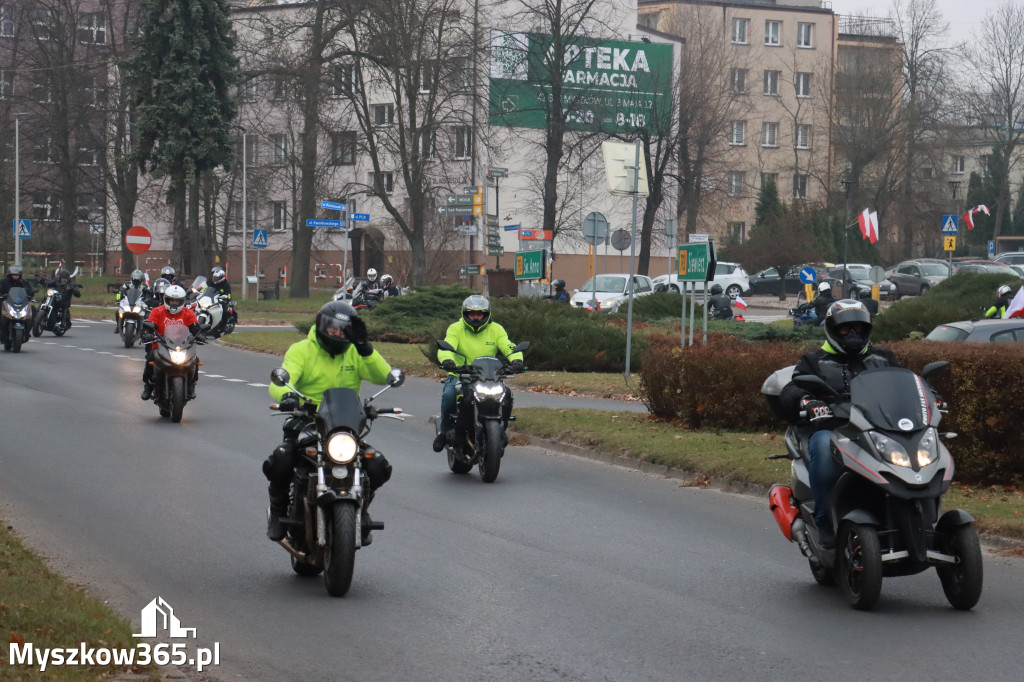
23 228
312 222
332 205
259 239
949 224
360 216
807 275
512 228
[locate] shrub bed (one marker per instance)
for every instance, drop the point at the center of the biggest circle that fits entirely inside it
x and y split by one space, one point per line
718 386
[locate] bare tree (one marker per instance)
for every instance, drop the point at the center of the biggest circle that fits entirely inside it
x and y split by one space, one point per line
996 91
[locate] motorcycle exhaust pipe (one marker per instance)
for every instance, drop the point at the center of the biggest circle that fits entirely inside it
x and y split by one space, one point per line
780 502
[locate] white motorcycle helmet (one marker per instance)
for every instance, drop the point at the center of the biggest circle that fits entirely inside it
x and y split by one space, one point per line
174 299
371 275
824 287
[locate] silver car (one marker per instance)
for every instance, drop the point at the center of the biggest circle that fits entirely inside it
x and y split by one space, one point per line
915 277
980 331
611 291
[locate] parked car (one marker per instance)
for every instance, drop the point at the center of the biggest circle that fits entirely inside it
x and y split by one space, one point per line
767 281
859 275
980 331
731 276
984 266
1010 258
611 291
915 277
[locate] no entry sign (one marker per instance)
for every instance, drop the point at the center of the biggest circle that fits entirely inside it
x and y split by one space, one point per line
138 239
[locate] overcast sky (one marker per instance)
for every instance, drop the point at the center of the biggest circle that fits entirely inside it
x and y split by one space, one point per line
962 15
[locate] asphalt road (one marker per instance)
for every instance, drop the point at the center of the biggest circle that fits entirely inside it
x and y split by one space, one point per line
564 569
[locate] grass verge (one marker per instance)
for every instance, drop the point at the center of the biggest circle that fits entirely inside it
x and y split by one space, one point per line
732 456
39 607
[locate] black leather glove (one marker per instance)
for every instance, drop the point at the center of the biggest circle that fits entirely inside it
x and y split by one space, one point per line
356 333
815 409
290 402
518 366
448 365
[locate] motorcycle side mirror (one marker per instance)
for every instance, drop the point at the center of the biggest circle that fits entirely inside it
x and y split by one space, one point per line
814 385
396 378
444 345
521 346
934 368
280 377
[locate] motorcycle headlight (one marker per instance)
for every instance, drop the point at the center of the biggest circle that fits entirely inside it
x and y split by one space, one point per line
488 390
178 356
51 292
19 314
928 448
890 450
137 310
342 447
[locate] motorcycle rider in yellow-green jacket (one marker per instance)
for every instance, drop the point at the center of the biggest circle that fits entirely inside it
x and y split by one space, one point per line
473 336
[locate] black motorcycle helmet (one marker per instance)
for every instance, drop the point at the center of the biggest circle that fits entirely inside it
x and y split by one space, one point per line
138 277
167 272
63 276
332 324
716 289
848 327
559 284
476 304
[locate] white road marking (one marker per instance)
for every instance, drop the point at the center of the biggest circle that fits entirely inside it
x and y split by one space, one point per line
235 380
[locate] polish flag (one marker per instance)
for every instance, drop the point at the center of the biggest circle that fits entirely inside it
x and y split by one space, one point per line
969 216
742 305
1016 307
873 236
864 220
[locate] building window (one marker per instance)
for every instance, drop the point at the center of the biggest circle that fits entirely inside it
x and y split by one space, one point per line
6 84
769 134
280 219
460 73
249 89
739 81
343 148
92 28
737 232
235 224
45 207
803 85
772 32
771 82
45 151
88 157
90 208
739 31
734 183
772 178
383 114
428 146
383 183
346 80
463 142
43 24
280 143
280 88
804 35
984 159
958 165
738 132
800 186
428 76
6 21
252 150
803 136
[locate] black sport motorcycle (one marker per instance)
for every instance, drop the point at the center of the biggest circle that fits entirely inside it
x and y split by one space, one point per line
17 314
132 311
482 411
327 520
886 505
176 368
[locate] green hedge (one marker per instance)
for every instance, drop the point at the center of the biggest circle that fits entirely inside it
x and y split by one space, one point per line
717 386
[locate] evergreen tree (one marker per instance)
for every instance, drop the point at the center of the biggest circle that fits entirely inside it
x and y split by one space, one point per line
181 78
769 207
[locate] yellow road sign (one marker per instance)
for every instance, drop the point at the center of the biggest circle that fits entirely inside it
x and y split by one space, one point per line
949 242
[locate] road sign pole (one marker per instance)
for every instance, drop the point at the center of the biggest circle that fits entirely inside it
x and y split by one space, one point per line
344 267
245 265
632 253
17 190
497 213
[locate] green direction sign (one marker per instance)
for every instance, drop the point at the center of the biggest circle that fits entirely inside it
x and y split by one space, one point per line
530 264
612 86
694 262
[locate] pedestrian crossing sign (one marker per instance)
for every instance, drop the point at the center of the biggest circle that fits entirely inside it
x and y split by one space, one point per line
949 224
23 228
259 239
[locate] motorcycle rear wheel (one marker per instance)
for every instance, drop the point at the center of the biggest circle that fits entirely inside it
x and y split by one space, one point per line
177 398
962 582
859 565
490 461
340 550
823 575
61 327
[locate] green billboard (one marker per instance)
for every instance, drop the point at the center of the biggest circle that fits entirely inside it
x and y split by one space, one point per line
695 262
607 85
530 264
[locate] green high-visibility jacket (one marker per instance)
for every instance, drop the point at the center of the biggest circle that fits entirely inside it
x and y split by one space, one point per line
492 340
313 370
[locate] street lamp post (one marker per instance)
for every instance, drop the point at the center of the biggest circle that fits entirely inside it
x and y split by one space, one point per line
847 185
17 188
954 185
245 208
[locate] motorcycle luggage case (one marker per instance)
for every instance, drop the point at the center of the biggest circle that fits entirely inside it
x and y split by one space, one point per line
772 389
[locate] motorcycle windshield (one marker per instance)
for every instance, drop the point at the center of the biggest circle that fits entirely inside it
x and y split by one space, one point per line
177 335
198 284
340 407
17 296
209 292
893 399
488 367
133 296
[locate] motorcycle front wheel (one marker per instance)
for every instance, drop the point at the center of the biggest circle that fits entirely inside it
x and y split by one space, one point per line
859 565
176 397
962 581
16 341
340 551
37 328
128 333
490 460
